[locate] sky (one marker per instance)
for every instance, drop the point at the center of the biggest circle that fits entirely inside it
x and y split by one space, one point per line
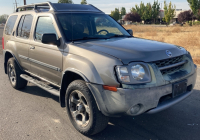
7 6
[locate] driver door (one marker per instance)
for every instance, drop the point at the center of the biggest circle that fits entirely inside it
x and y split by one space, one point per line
46 59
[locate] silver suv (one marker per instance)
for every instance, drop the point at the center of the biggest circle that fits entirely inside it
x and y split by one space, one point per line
96 67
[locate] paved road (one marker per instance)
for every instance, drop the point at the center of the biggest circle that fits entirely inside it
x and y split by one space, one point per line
33 113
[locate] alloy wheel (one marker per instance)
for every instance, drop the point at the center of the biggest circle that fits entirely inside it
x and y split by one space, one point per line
12 74
79 108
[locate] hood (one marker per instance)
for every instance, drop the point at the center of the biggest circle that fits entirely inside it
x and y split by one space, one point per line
134 49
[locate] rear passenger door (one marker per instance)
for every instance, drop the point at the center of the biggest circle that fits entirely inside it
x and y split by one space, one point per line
22 40
46 59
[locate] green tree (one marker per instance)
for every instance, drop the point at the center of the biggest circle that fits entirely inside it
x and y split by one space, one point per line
3 18
123 11
169 11
65 1
83 2
148 12
133 10
194 5
115 14
155 10
141 10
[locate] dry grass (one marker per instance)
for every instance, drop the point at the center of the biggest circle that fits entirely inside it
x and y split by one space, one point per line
151 34
187 37
176 30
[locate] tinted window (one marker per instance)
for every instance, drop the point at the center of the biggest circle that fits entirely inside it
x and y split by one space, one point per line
44 25
19 29
10 25
77 26
26 28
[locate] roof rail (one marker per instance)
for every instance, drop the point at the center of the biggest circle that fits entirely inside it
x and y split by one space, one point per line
35 6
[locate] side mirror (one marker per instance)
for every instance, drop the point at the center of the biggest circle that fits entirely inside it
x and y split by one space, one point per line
130 32
50 39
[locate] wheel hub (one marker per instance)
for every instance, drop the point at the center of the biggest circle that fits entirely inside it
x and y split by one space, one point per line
79 108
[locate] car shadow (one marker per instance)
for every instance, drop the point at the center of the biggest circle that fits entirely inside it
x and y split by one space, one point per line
178 122
35 90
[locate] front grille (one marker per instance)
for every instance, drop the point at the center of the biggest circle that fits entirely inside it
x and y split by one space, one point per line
168 62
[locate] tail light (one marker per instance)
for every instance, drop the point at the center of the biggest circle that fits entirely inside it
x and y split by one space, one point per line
3 42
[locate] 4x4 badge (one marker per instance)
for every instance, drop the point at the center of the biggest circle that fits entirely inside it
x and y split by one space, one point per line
168 53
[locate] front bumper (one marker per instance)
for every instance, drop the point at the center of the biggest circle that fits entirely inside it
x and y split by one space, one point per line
147 99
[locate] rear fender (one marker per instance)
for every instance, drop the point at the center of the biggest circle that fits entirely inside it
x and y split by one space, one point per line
6 55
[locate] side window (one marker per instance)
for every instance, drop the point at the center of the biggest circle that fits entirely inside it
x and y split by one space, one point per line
44 25
19 29
10 25
25 26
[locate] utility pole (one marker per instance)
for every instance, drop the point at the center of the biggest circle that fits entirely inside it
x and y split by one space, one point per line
24 2
16 3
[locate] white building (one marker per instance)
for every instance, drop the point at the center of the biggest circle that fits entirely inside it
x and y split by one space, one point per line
175 19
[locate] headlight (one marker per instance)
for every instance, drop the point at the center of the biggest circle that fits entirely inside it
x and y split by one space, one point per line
138 72
134 73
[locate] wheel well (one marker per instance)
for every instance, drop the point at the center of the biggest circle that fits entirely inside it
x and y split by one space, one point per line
8 55
68 77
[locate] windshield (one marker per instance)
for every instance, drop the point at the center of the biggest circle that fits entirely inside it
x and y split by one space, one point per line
80 26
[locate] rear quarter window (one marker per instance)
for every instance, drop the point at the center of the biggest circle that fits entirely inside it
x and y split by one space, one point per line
10 24
24 26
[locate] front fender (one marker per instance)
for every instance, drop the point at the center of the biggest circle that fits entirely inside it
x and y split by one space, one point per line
77 72
81 66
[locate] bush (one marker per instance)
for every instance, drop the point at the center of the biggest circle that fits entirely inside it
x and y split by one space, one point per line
197 23
190 23
185 16
134 17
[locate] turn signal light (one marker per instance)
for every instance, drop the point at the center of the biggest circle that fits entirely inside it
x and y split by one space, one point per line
110 88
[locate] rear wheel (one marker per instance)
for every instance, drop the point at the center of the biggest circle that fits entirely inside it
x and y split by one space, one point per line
14 73
82 109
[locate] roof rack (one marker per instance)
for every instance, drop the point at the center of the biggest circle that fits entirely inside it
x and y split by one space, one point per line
44 5
41 7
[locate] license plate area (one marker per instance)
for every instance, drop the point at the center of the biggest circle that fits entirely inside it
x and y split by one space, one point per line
179 88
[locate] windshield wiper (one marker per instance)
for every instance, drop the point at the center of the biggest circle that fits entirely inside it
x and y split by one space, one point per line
87 38
120 36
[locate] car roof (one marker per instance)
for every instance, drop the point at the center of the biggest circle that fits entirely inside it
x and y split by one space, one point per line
57 7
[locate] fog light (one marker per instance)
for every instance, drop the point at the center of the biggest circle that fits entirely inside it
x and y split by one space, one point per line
135 109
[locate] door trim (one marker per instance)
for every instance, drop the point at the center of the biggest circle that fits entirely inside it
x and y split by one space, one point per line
23 57
40 63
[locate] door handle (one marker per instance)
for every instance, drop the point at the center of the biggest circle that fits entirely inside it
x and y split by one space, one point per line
32 47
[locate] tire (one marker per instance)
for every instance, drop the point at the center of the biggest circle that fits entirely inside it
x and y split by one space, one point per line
78 98
14 73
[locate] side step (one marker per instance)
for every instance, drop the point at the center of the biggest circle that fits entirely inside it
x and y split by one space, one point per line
40 84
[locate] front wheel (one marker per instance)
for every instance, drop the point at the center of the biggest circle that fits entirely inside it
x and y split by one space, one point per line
82 109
